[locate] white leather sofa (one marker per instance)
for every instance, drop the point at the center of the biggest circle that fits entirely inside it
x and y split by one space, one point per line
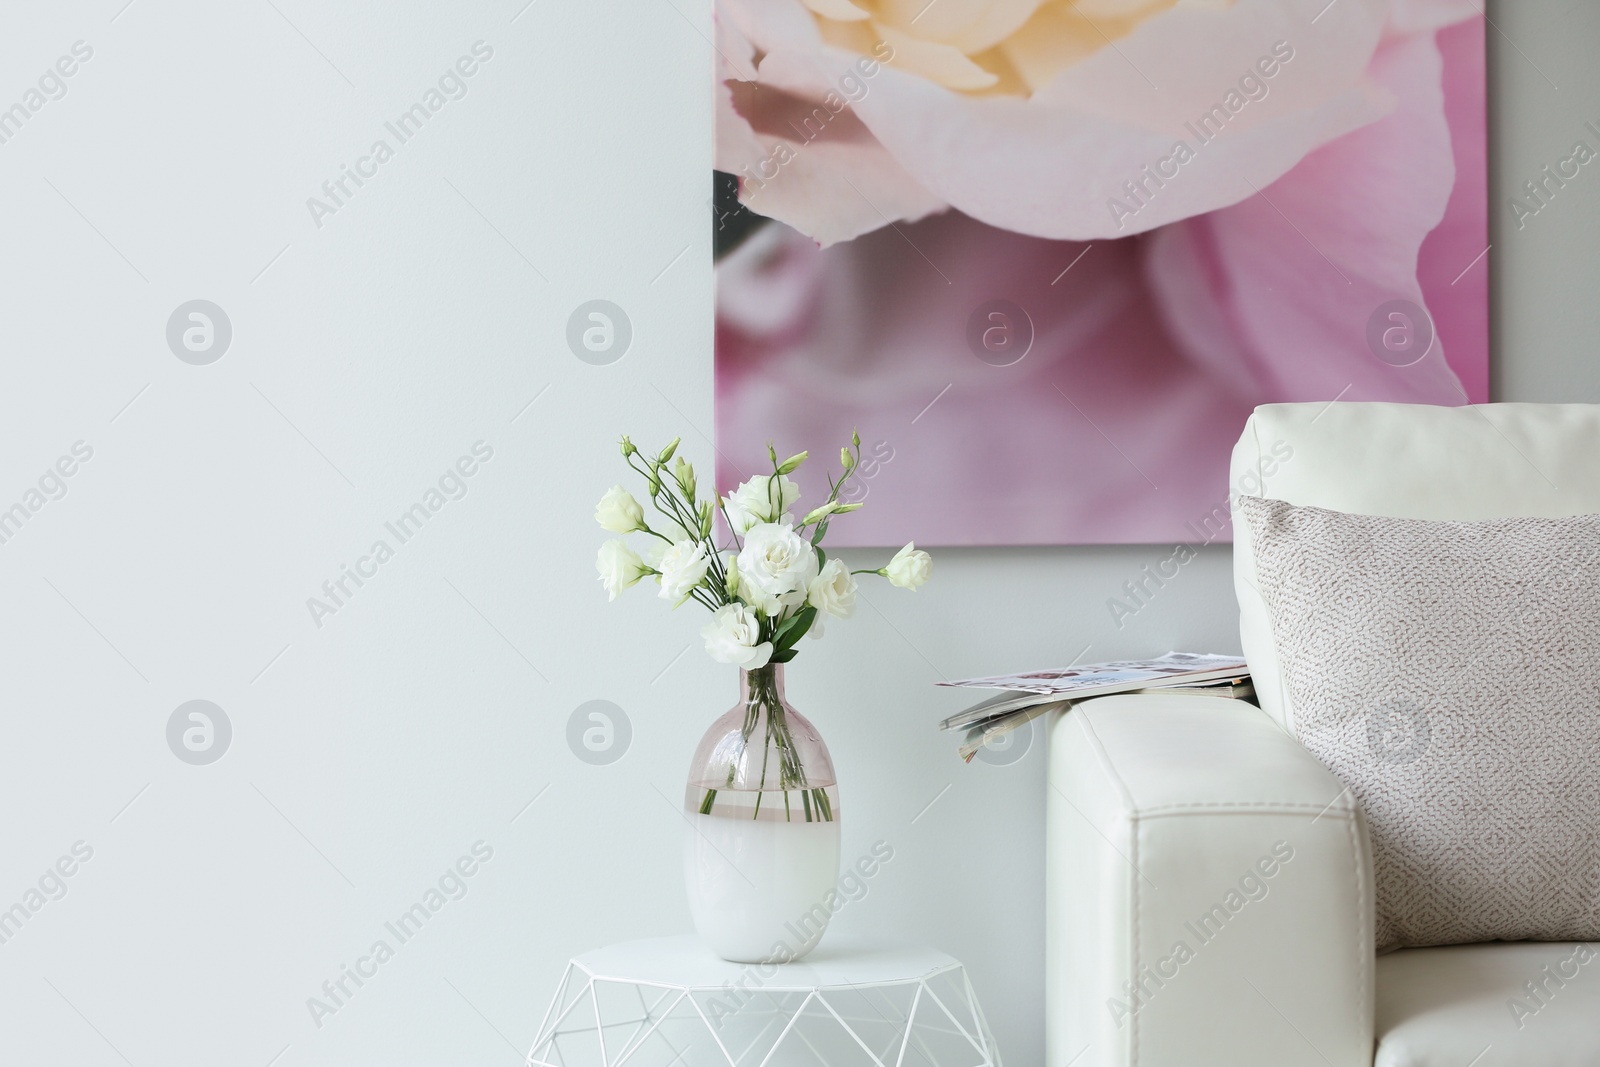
1210 883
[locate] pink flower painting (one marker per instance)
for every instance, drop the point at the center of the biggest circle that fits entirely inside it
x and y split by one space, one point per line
1047 256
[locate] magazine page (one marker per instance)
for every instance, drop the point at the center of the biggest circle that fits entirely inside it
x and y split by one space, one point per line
1173 667
1021 691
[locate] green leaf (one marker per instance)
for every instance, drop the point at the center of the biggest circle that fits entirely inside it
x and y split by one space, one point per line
792 631
822 558
785 626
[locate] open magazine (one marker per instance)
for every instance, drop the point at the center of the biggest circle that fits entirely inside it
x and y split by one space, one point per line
1025 697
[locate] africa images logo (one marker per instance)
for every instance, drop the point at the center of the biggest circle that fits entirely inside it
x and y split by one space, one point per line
1253 84
452 485
452 85
453 884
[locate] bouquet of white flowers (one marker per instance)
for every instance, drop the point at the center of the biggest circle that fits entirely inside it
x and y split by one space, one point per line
769 586
773 585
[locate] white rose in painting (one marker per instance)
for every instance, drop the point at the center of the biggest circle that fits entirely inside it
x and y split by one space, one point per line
753 501
1035 83
776 566
910 568
682 567
734 636
619 567
619 512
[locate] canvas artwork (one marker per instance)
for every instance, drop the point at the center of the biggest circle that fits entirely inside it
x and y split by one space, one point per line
1047 256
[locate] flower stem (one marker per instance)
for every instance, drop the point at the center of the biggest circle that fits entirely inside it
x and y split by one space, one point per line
779 739
766 718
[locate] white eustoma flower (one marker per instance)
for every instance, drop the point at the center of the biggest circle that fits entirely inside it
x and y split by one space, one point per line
831 592
910 568
682 567
619 567
734 636
619 512
753 502
656 549
776 566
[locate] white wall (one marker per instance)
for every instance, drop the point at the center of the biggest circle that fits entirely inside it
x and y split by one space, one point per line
368 354
1545 88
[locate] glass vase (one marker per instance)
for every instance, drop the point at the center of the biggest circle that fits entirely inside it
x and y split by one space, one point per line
761 848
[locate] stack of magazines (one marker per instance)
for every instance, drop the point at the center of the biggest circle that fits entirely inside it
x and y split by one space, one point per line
1025 697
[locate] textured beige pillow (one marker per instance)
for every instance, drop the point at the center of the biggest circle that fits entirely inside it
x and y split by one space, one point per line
1449 674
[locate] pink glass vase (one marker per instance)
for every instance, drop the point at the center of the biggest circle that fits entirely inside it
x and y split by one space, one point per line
761 848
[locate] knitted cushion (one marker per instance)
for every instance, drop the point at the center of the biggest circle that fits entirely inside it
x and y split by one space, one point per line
1449 674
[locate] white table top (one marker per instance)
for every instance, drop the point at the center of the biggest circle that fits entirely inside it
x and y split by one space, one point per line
684 962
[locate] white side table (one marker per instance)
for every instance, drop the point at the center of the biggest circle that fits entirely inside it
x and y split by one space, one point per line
670 1002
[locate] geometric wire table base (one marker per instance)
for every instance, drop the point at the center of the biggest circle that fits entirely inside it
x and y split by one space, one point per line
668 1002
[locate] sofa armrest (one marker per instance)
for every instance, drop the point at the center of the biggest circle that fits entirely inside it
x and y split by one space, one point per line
1208 892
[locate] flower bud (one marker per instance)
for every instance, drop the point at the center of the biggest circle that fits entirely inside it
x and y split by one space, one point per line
619 512
855 438
666 453
909 568
789 465
628 447
820 512
846 460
